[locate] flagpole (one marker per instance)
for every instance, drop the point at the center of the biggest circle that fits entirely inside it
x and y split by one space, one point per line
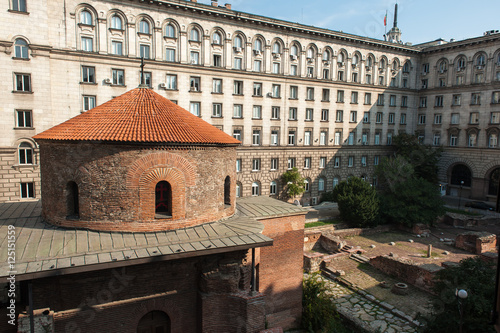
385 22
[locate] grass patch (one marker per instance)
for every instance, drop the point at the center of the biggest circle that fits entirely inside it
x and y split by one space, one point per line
434 253
460 211
321 223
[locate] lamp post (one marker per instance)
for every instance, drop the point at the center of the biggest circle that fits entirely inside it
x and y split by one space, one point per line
460 194
461 296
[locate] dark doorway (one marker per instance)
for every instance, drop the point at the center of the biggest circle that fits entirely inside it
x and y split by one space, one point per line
154 322
163 202
72 204
461 173
227 191
493 182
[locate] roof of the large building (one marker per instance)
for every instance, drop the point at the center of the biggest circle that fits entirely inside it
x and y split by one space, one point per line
139 115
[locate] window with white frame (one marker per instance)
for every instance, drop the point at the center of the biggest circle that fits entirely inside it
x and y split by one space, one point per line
390 118
116 47
335 181
238 165
238 87
351 138
376 160
275 112
474 118
217 86
475 99
339 116
19 5
256 164
85 16
322 162
87 44
144 51
309 114
194 35
88 102
438 118
237 111
309 93
421 119
336 163
495 97
495 118
216 38
255 189
324 114
273 188
323 138
438 102
256 137
274 164
216 110
238 189
171 83
380 99
238 63
291 163
294 70
337 138
257 112
307 163
237 133
194 108
276 90
217 60
25 152
27 190
88 74
307 137
292 114
257 65
194 83
340 96
306 185
325 95
276 67
257 89
169 55
363 161
293 92
291 137
453 139
353 117
364 138
493 140
170 31
392 100
436 140
368 98
321 184
118 77
402 119
366 117
21 49
195 57
455 118
24 118
354 97
144 27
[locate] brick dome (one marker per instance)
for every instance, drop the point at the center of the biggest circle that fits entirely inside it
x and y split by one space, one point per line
136 163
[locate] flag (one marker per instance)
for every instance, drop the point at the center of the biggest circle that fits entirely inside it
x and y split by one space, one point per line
385 19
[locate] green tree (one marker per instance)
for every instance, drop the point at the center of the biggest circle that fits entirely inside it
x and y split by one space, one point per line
294 183
475 276
358 202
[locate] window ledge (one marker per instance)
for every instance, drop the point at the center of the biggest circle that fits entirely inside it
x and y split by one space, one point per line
237 118
220 117
25 166
275 118
195 91
237 94
24 128
309 100
22 92
144 34
256 118
115 29
340 101
17 12
171 89
325 100
293 98
217 93
89 83
28 59
257 96
118 85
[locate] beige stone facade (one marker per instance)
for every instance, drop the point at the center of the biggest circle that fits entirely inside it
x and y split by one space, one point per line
288 91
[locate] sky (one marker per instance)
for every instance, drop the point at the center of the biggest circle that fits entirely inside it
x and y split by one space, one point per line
419 20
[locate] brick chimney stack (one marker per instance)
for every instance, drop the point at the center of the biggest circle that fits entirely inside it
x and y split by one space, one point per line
228 6
214 3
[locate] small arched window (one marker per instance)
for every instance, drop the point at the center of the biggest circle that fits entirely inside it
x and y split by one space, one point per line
21 48
227 191
310 53
216 38
395 65
326 55
85 17
472 138
154 322
321 184
72 201
461 64
170 31
257 45
163 200
493 182
382 63
340 57
116 22
25 153
194 35
369 62
481 60
144 27
294 50
238 190
442 66
238 42
255 189
273 188
406 67
276 47
306 185
355 59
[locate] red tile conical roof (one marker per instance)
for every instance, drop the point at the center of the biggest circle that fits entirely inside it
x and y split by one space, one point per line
139 115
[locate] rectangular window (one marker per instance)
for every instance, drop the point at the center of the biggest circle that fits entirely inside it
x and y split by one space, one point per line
309 94
307 138
340 75
294 70
194 83
88 102
436 141
27 190
170 55
19 5
376 160
350 161
364 138
336 163
380 99
340 96
23 82
276 91
381 80
24 118
118 77
87 44
421 119
309 114
338 138
144 51
389 138
117 48
474 118
438 102
459 80
148 80
275 112
322 162
379 117
256 164
455 118
425 68
292 114
351 138
475 99
217 60
307 163
438 118
453 140
291 162
363 161
291 137
238 165
274 164
377 138
422 102
257 112
368 79
368 98
217 86
276 67
257 89
366 117
339 116
257 66
323 138
88 74
275 134
495 118
238 88
495 97
402 120
237 134
354 97
354 117
425 83
237 111
25 154
324 114
195 58
237 63
217 110
293 92
442 82
392 100
310 71
325 95
354 77
256 137
194 108
171 82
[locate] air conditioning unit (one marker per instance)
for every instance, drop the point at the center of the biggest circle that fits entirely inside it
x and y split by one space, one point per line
237 49
310 60
340 64
256 52
163 86
442 71
479 66
276 55
381 70
368 68
309 75
326 63
314 201
269 94
354 65
460 69
193 62
107 81
293 57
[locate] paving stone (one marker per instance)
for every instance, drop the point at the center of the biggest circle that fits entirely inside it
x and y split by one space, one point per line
379 325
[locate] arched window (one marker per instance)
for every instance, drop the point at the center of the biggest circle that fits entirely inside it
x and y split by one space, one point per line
276 47
273 188
369 62
194 35
216 38
255 189
321 184
294 50
257 45
72 204
461 63
227 191
340 57
306 184
406 67
163 200
116 22
238 42
355 59
310 53
459 173
442 66
154 322
144 27
481 60
326 55
238 190
21 48
382 63
493 182
395 65
170 31
85 17
25 153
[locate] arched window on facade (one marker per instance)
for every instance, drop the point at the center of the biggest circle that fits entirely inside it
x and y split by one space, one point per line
154 322
116 22
144 27
493 182
85 17
194 35
273 188
21 48
163 200
170 31
326 55
459 173
238 42
25 153
216 38
72 202
255 189
227 191
335 181
257 45
307 181
277 48
294 51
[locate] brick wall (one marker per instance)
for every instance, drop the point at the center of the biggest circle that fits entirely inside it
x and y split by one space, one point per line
116 184
280 271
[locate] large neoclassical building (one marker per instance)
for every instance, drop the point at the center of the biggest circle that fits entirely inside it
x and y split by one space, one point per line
326 102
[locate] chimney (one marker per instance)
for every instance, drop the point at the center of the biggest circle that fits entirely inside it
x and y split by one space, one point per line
214 3
194 0
228 6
